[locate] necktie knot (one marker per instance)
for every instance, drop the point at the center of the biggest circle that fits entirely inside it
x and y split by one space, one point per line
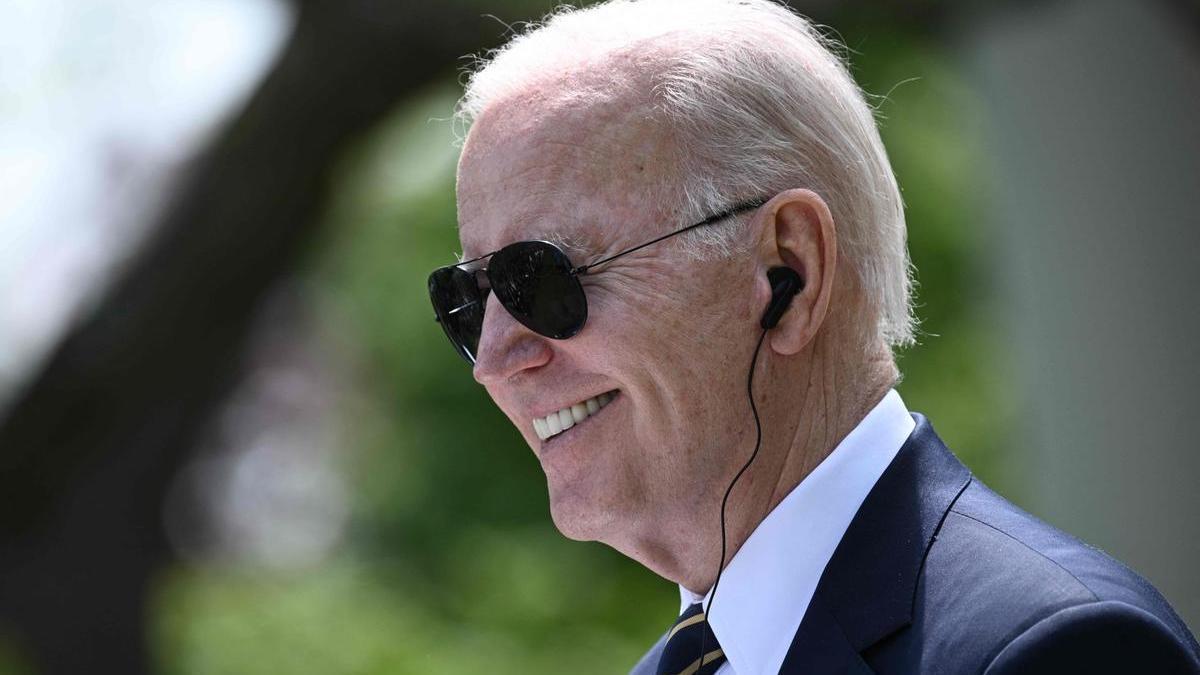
690 634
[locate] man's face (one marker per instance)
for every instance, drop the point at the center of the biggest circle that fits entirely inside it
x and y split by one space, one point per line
669 336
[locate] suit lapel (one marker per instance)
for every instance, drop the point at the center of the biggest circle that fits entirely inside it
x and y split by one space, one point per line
867 590
820 646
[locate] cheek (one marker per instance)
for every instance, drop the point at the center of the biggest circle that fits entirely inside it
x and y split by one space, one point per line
650 299
698 322
678 346
640 333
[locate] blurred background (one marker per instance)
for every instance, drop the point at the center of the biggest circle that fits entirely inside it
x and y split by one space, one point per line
232 439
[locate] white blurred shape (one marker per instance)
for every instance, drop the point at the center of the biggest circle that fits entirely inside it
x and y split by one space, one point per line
99 99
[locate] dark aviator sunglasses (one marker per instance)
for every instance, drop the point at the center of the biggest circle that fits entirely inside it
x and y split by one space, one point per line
536 283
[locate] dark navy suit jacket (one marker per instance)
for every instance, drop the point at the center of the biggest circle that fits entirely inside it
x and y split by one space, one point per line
938 574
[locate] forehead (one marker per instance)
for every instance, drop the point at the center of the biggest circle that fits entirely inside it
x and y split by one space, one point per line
582 169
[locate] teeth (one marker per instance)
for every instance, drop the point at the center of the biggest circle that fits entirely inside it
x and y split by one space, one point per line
558 422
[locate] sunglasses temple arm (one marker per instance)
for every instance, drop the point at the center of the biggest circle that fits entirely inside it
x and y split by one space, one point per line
583 269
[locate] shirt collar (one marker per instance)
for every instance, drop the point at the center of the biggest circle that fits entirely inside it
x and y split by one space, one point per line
765 590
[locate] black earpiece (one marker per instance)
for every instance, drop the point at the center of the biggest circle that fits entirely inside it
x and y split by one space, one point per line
785 284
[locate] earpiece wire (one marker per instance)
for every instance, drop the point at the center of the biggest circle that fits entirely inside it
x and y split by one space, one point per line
725 500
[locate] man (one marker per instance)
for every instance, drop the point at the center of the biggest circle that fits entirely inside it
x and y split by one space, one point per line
666 204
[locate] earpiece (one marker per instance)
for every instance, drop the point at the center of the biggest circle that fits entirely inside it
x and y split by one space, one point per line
785 284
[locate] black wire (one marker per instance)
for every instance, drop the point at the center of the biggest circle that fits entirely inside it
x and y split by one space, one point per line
757 443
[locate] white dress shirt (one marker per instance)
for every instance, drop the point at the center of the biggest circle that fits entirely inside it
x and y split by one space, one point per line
765 590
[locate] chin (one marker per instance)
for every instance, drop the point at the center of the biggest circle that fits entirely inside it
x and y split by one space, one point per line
580 518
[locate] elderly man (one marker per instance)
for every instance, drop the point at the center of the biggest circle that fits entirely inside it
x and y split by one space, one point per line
684 274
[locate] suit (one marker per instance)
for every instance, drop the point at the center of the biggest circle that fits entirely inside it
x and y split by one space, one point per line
938 574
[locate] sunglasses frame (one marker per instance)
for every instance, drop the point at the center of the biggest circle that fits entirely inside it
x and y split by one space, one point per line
573 272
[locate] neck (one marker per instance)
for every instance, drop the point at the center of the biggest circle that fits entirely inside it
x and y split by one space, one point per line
801 426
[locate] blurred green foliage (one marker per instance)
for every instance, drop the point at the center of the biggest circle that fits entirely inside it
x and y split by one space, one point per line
13 659
452 564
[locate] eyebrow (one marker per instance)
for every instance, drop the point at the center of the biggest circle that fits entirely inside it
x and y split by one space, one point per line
573 245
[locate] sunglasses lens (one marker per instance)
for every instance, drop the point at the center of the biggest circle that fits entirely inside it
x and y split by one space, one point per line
459 303
534 282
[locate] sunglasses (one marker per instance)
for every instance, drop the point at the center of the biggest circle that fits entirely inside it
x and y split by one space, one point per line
534 280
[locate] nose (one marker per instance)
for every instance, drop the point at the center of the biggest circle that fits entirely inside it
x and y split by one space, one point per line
506 347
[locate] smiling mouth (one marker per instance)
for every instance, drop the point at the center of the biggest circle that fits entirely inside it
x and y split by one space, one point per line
557 422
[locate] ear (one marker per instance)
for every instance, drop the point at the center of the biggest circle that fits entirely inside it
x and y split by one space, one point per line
798 232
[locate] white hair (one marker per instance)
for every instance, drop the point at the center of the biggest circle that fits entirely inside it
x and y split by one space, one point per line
760 102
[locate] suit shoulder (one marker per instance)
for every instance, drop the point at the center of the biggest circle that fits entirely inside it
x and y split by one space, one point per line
997 571
1105 636
986 517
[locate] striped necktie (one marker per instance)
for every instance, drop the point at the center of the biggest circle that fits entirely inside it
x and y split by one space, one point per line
681 655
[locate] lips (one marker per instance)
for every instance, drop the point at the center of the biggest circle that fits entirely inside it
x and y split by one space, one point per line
559 421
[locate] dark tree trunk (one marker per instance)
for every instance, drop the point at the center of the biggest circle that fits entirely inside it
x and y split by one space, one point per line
88 447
